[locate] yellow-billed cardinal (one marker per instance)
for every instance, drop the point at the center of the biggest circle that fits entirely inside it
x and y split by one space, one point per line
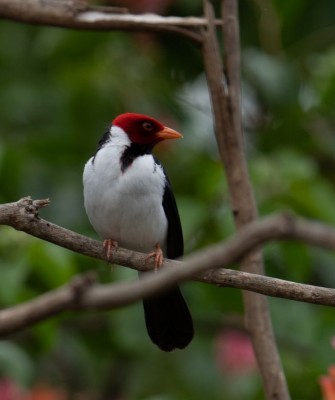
129 201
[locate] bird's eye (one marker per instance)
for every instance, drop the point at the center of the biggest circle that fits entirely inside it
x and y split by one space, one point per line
147 126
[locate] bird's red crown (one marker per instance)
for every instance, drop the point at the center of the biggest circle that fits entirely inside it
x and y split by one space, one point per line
142 129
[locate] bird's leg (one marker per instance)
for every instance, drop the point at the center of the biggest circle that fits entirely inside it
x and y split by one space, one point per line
158 255
110 246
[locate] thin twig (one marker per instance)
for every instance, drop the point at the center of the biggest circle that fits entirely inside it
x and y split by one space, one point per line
232 62
77 14
215 80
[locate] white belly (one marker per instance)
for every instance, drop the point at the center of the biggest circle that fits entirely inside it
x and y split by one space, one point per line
126 207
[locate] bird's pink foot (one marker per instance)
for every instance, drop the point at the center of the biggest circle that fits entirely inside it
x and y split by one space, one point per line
110 246
157 255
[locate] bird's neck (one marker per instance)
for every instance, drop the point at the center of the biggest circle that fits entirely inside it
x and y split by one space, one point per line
131 152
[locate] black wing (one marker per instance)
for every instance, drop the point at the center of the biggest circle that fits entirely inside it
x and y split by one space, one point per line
167 317
174 241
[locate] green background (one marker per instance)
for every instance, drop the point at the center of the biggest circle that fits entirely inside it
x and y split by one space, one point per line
60 89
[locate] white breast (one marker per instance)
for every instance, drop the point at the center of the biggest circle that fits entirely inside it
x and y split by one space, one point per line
125 206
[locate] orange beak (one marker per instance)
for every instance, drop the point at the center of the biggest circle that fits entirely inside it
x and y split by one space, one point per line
168 133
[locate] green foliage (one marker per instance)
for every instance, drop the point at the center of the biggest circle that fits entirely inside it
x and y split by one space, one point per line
59 91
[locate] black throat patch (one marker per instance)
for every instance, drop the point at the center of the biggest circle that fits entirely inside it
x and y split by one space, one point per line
131 152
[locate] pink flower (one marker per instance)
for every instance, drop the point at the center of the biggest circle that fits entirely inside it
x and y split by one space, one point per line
9 390
234 352
327 384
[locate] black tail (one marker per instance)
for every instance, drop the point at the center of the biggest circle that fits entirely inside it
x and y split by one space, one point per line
168 320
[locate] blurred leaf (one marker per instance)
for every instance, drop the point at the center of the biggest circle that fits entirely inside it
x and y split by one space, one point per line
12 279
15 363
51 264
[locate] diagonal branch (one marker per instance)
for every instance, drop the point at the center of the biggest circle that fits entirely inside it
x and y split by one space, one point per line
23 216
83 293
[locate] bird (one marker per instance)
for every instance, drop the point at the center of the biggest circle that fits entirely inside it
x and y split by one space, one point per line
130 203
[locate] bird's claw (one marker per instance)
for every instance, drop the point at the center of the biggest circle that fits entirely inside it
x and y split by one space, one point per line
157 255
110 246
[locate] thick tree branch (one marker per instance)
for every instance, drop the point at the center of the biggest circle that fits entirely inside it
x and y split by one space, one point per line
83 293
227 115
77 14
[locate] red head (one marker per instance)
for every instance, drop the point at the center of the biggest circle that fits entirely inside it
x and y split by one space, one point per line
145 130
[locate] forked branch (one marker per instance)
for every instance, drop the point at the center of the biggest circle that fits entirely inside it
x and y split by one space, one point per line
205 266
225 97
